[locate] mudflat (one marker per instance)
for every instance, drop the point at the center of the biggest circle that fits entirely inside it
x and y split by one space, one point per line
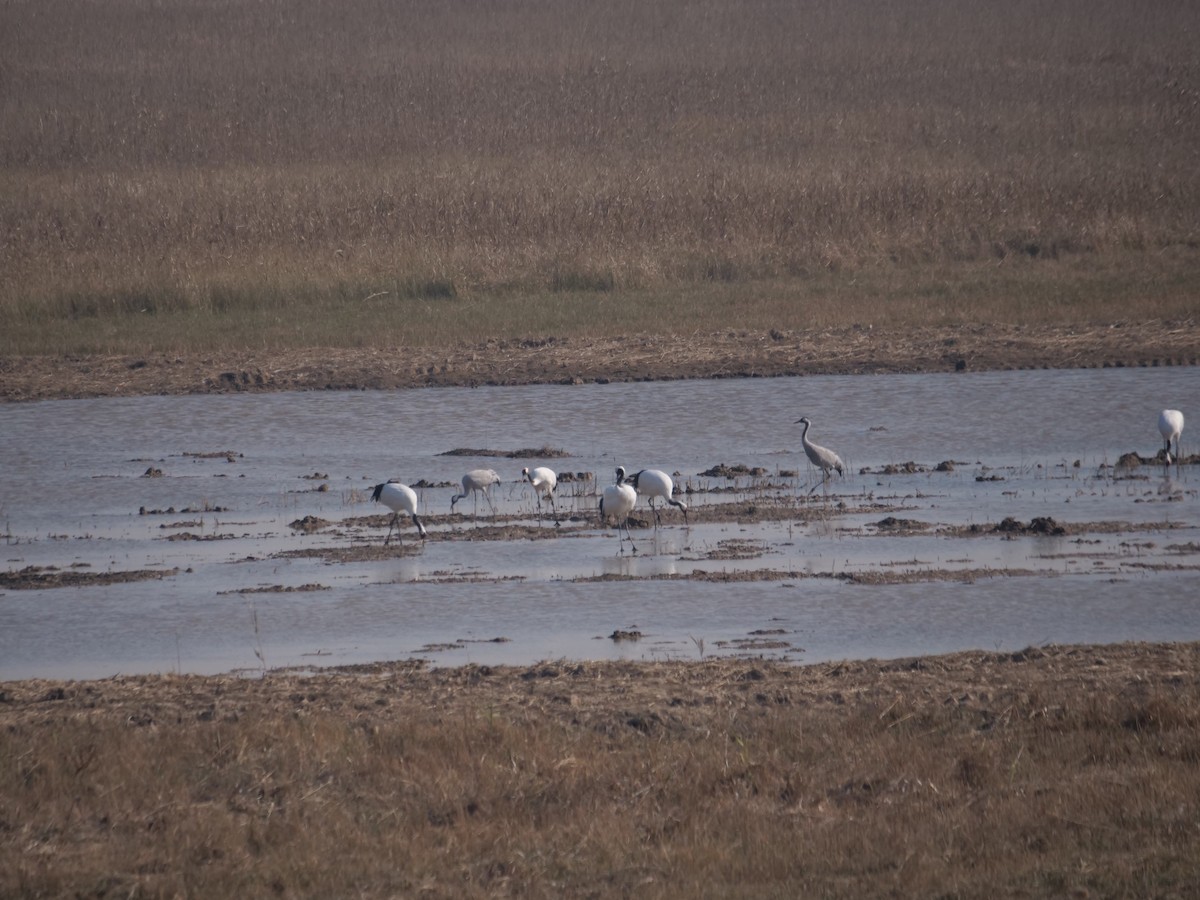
564 360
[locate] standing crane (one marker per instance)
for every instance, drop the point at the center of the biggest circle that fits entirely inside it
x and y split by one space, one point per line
821 457
399 498
1170 426
544 481
476 482
652 483
617 502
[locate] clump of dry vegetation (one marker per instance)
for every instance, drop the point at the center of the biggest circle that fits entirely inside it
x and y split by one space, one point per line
1051 772
288 174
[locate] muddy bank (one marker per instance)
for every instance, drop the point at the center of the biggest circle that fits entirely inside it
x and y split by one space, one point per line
597 687
554 360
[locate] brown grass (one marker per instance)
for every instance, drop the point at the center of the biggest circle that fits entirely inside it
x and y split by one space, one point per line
1063 772
185 176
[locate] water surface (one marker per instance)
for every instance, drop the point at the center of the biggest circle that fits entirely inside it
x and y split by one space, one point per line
1023 445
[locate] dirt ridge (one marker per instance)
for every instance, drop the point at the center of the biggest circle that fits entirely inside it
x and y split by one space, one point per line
840 351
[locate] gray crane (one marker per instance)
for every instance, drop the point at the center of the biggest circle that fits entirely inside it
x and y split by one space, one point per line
477 481
821 457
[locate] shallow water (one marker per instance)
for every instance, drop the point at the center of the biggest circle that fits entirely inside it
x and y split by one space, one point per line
1024 445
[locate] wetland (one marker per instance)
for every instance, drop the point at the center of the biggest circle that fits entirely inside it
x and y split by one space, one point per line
258 257
213 533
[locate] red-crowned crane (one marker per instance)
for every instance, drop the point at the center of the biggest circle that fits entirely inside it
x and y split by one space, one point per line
544 481
399 498
651 483
617 502
1170 426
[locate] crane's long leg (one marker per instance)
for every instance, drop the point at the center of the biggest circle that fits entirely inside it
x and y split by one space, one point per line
620 546
826 476
391 524
553 507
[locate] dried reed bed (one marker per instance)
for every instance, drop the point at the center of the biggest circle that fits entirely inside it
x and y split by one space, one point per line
192 175
1066 771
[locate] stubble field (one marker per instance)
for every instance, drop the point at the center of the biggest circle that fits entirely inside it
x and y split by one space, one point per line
1052 772
262 178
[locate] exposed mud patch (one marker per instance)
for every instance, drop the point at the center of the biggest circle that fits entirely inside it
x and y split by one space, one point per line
524 453
40 577
461 644
443 577
514 532
620 635
753 644
278 589
1133 459
893 574
893 526
1046 526
309 524
919 575
904 468
190 536
355 552
737 470
734 549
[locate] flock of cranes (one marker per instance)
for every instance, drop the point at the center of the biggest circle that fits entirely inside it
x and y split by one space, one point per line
619 498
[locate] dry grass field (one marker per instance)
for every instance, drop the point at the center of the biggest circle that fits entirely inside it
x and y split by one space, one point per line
1054 772
273 175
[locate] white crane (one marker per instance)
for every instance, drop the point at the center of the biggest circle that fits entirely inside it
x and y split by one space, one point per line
477 481
821 457
651 483
544 481
617 502
1170 426
399 498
